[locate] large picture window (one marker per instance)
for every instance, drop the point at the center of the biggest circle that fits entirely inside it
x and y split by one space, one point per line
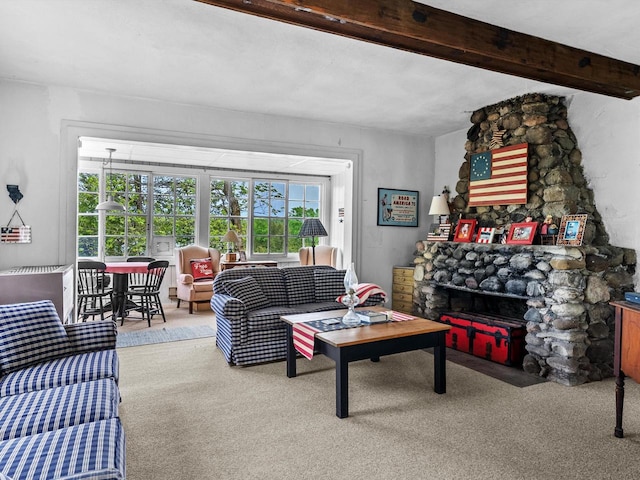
266 213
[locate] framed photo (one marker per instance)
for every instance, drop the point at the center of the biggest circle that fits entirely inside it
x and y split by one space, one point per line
572 229
464 230
397 208
522 233
242 256
485 235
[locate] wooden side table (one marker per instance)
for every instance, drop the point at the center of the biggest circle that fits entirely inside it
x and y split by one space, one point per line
248 264
626 356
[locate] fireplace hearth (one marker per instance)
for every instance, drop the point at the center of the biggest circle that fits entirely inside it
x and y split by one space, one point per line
564 302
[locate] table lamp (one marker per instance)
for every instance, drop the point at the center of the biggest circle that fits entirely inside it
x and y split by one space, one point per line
231 238
312 227
439 207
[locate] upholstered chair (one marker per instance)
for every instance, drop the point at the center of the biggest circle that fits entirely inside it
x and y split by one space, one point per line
325 255
194 274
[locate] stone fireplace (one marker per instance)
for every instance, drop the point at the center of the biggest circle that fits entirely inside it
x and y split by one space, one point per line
564 291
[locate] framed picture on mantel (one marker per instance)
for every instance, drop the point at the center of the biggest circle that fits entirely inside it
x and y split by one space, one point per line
397 208
465 230
522 233
572 229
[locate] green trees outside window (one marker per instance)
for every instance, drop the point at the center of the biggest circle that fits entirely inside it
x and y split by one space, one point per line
266 214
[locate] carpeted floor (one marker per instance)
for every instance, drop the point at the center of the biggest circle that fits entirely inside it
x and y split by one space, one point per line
187 414
145 337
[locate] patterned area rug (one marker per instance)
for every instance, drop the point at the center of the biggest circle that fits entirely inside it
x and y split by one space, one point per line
132 339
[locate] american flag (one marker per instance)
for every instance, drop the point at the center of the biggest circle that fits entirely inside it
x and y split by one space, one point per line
15 234
304 338
499 177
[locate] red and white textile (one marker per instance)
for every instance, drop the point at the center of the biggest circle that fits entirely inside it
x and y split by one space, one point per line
364 291
304 338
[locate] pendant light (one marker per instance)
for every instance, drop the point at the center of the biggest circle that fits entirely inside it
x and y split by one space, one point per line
110 203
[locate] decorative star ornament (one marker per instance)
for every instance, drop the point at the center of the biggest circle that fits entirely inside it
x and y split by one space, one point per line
496 138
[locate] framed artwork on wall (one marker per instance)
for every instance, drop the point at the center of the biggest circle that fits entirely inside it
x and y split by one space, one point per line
397 208
464 230
572 229
522 233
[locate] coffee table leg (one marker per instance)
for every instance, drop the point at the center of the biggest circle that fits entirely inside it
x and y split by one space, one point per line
439 362
342 386
291 353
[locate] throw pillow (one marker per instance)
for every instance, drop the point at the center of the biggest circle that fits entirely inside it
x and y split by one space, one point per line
31 333
329 284
248 291
201 269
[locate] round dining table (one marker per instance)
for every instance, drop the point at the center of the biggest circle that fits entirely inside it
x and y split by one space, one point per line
120 272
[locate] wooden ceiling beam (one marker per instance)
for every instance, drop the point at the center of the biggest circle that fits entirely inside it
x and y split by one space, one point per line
425 30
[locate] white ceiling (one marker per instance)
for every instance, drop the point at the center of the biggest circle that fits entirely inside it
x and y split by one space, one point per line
188 52
95 149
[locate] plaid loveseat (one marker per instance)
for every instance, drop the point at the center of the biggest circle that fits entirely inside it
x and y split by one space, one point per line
248 303
58 396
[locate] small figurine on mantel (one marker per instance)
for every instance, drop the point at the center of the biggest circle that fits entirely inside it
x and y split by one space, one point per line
548 227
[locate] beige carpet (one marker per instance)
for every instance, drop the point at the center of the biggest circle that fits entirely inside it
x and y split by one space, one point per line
188 415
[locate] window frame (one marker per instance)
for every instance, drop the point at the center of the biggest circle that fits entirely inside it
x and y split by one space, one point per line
202 198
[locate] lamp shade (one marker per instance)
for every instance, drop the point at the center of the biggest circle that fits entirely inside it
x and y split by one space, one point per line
231 237
439 205
312 227
110 204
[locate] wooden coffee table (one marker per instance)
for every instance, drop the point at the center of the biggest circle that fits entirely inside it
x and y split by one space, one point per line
371 341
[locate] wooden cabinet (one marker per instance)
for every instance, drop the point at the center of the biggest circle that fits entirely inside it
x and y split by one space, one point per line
47 282
626 356
402 294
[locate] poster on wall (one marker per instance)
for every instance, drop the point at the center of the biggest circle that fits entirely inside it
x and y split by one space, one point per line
397 208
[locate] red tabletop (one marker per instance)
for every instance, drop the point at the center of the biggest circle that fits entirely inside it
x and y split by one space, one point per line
127 267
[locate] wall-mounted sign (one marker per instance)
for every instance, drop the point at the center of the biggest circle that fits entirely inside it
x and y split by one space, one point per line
397 207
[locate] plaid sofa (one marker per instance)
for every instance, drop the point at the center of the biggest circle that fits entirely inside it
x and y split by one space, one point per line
59 396
248 303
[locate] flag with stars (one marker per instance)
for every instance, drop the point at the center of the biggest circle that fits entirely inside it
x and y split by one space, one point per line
499 177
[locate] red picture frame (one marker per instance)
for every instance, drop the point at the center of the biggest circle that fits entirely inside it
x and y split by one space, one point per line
522 233
465 230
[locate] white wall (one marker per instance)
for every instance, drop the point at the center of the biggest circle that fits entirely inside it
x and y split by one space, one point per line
38 124
607 130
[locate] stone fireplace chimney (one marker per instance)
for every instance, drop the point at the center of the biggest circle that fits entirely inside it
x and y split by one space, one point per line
566 289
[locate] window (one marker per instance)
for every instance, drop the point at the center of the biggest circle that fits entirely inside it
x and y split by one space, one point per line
180 205
269 216
174 208
229 210
271 225
88 198
127 233
304 202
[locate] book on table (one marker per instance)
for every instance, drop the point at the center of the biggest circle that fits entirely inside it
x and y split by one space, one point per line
369 316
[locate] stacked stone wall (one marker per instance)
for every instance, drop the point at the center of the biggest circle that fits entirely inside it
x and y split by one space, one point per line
567 291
